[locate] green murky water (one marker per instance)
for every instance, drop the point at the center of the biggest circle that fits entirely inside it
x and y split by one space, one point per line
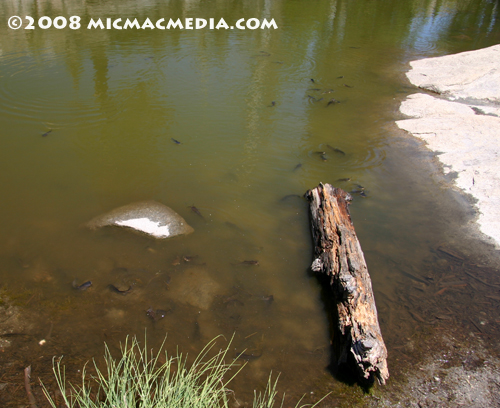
248 107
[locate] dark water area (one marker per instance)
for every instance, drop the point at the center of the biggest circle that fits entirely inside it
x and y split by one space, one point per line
88 118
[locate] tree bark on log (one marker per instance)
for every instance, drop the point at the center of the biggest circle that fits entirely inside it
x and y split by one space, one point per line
338 257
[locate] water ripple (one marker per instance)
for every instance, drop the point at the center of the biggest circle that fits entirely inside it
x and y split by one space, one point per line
368 157
83 106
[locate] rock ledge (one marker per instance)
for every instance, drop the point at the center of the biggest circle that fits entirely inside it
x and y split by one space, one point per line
462 124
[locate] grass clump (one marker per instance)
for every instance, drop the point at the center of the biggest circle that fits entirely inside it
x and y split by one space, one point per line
138 380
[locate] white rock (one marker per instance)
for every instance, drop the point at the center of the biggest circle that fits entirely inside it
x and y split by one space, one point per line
148 217
472 74
466 137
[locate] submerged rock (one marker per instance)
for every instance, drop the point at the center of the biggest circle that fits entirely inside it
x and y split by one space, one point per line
194 287
149 217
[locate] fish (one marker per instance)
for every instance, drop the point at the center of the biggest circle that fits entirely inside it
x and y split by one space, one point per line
195 210
314 99
247 356
322 155
462 37
113 288
250 263
247 263
273 103
232 300
348 86
47 132
187 258
269 299
413 277
336 150
443 317
417 317
482 280
339 77
450 253
175 141
332 101
83 286
7 335
453 284
285 198
233 226
196 331
312 80
363 194
493 297
440 292
314 89
344 179
265 54
327 91
157 314
298 166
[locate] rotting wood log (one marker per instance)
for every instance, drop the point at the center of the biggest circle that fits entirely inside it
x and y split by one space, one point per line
338 257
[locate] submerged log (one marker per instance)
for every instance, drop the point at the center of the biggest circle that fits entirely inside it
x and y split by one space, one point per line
357 339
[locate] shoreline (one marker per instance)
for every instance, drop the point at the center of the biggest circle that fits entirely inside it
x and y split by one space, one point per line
460 123
456 115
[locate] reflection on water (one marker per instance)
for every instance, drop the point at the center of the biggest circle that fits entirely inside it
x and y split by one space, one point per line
261 116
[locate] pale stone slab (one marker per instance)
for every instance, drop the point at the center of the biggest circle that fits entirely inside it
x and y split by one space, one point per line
467 75
148 217
467 143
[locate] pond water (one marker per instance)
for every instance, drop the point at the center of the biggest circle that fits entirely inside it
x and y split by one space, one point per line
88 118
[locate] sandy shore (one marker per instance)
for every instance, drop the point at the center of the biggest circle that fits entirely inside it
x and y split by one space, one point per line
460 121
